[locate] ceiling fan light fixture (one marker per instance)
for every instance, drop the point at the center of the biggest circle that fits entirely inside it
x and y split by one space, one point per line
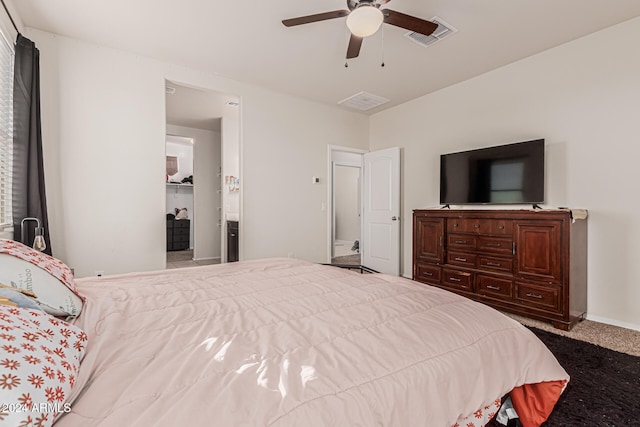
364 20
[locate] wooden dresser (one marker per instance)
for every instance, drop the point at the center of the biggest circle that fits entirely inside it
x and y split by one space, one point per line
528 262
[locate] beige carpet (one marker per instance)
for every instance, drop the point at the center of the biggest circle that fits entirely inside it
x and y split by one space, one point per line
346 260
608 336
177 256
184 259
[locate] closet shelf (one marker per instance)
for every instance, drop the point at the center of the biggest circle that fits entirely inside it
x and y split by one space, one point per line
172 184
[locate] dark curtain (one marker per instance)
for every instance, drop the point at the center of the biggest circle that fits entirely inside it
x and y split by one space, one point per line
28 170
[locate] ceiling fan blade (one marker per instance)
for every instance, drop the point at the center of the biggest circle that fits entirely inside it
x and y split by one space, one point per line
409 22
315 18
354 46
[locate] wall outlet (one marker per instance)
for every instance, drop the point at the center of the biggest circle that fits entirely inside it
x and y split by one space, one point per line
99 273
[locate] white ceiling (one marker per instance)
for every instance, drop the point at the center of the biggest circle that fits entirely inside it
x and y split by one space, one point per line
196 108
246 41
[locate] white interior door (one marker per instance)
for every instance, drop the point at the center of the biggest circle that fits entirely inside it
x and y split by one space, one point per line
380 248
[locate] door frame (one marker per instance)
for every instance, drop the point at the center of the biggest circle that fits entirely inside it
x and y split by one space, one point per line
343 156
228 143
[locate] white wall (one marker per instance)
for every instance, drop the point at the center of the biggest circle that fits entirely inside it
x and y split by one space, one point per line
283 148
583 98
347 202
104 148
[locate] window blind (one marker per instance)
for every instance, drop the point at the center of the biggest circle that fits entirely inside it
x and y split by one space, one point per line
6 131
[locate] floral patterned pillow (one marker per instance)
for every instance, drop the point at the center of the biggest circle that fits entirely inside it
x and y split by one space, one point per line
39 361
48 278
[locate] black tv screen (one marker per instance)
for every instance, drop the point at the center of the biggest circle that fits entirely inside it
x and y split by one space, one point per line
506 174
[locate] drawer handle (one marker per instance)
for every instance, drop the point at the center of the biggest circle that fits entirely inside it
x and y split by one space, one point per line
493 245
530 295
501 227
493 264
495 288
476 225
460 259
455 225
427 273
455 279
461 241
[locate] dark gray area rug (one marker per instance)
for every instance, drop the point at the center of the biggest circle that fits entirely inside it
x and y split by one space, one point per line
604 389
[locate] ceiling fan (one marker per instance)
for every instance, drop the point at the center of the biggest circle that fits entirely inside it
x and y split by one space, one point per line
364 17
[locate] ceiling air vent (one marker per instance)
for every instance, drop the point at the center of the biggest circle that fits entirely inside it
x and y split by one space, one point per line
441 32
363 101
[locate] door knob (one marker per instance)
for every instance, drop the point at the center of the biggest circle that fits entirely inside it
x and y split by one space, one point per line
394 218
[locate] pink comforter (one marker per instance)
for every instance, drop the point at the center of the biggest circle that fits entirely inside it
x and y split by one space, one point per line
283 342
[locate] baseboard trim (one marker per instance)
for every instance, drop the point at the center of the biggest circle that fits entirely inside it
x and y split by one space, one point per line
206 259
613 322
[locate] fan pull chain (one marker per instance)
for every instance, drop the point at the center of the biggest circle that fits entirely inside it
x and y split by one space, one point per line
382 43
346 60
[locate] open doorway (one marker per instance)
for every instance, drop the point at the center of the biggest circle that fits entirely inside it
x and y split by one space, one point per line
179 198
346 214
378 201
345 210
210 121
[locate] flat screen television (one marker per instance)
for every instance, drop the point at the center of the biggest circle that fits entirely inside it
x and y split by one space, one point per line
505 174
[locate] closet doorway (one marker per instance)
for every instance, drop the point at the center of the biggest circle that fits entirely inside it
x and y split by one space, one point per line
210 120
179 199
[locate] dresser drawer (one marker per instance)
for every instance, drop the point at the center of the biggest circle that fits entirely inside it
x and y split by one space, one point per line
180 238
180 232
537 296
181 224
462 259
428 273
495 287
502 227
481 226
495 263
500 245
457 279
460 225
462 241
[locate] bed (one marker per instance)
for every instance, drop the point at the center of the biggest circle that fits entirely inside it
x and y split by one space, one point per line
284 342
